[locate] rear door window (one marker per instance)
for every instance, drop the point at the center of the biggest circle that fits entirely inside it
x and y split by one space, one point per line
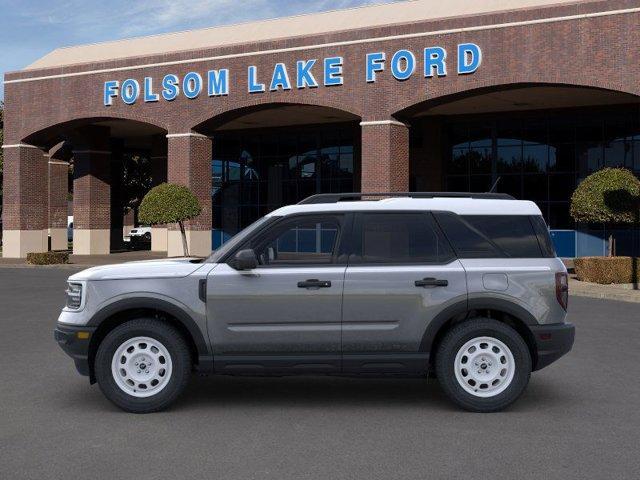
399 238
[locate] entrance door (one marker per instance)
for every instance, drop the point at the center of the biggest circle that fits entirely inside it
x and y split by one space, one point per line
402 274
285 314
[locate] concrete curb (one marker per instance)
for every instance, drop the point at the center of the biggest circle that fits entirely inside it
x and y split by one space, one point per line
622 293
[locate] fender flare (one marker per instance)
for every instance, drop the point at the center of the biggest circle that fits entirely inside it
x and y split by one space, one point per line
153 303
464 307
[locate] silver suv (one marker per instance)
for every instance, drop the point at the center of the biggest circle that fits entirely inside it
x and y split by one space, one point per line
463 287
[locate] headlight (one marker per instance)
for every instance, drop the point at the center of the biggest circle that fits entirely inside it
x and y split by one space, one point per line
74 295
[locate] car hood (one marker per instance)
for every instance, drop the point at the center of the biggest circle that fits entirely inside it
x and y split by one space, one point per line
164 268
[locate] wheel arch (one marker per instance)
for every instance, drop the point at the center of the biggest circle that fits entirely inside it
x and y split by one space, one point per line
504 311
121 311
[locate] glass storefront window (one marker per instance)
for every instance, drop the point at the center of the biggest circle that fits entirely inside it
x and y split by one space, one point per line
540 156
257 171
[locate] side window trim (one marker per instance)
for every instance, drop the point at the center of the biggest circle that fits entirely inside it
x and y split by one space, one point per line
547 249
355 258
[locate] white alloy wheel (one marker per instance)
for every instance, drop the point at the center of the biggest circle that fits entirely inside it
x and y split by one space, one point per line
141 367
484 367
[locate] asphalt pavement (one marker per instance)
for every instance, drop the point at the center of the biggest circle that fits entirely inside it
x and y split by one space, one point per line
579 418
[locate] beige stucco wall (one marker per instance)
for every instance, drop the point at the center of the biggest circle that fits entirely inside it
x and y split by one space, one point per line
17 243
199 243
91 242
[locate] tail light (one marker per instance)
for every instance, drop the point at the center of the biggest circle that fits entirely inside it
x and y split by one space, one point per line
562 289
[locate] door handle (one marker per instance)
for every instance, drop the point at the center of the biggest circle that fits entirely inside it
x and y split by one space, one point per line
431 282
314 283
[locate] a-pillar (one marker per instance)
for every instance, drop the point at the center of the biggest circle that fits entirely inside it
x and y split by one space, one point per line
24 201
92 192
58 191
385 156
189 164
158 176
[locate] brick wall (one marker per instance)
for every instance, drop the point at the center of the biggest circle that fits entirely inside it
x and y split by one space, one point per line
189 164
24 201
588 51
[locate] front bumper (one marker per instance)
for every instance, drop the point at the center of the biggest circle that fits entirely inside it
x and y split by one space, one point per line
75 342
552 342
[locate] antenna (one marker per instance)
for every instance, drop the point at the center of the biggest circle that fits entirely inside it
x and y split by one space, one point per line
494 188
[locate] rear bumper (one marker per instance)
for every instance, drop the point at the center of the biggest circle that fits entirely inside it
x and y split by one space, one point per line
552 342
75 343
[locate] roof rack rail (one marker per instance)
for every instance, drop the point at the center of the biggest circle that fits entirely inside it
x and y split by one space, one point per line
346 197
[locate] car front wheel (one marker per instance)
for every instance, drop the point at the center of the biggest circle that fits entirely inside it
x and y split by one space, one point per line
483 365
143 365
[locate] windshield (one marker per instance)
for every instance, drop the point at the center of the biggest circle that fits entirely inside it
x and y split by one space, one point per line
237 239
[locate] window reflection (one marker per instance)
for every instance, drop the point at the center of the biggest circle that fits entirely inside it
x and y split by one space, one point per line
541 156
257 171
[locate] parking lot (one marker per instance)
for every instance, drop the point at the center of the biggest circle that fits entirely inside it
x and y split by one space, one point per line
580 418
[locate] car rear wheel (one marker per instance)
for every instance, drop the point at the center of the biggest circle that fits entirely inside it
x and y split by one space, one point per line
143 365
483 365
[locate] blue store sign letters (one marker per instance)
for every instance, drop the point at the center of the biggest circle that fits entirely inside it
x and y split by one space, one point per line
309 73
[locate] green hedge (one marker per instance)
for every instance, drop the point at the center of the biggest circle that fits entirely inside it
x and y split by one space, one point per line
607 270
48 258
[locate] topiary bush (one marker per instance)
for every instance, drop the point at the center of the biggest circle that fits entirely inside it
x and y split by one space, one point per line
170 203
607 270
47 258
609 196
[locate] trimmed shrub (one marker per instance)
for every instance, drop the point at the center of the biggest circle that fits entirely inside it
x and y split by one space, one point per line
610 195
170 203
607 270
47 258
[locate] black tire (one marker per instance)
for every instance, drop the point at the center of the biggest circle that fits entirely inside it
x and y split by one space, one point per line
455 339
177 348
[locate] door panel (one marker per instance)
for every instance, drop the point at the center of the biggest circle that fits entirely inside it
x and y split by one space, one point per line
286 313
265 312
384 311
401 276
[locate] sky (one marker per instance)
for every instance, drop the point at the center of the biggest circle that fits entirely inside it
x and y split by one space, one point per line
30 29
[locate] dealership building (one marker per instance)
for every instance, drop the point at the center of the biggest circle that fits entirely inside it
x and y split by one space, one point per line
409 96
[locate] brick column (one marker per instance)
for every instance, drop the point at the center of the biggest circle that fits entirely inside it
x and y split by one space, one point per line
58 190
159 175
189 164
92 192
24 201
385 156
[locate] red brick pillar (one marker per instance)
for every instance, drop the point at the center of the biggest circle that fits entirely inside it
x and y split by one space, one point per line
92 193
189 164
159 175
58 190
24 201
385 156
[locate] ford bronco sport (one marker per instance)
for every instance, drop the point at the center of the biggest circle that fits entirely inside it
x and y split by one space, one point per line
464 287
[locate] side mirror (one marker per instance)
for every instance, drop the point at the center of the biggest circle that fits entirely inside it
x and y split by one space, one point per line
245 260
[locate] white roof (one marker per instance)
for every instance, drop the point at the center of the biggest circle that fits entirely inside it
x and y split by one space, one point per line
461 206
297 26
